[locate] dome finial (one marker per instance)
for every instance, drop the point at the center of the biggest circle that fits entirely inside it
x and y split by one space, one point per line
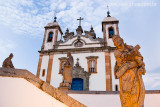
55 12
108 13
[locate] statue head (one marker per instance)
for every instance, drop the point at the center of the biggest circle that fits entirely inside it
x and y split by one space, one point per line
68 54
118 41
11 56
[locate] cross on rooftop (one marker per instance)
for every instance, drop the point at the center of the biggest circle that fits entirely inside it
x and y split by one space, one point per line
80 21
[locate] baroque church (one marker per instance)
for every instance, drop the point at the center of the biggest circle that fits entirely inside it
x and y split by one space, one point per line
94 60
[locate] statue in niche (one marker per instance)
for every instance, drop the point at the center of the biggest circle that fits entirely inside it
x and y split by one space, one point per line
7 63
129 69
68 66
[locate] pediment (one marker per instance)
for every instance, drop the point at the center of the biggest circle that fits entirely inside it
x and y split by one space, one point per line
80 41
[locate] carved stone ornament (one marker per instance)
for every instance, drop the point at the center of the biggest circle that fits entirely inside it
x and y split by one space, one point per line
129 69
78 72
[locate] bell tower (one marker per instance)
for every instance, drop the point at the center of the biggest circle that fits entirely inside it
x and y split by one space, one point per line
109 28
52 34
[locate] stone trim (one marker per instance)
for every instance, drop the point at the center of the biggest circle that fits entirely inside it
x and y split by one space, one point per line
54 27
111 22
104 34
108 71
56 35
44 39
44 86
39 65
49 70
109 92
117 29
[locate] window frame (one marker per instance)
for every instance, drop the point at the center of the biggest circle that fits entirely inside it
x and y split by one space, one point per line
92 58
49 35
109 30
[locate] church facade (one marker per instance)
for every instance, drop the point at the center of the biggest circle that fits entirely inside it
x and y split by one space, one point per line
94 59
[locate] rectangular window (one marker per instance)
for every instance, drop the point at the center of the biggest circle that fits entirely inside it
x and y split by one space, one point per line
92 64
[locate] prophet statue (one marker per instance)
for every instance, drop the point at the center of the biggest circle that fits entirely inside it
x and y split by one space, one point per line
129 69
68 66
7 63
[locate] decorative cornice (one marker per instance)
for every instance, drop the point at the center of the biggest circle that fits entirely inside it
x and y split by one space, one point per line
91 57
91 49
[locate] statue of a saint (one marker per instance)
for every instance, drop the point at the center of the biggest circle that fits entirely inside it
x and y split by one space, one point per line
7 63
68 66
129 69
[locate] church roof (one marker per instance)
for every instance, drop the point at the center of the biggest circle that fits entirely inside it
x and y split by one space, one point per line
54 24
109 19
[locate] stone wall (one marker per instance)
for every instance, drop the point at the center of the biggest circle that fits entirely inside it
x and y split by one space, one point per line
42 86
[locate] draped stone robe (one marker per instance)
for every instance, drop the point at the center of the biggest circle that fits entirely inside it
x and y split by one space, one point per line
127 69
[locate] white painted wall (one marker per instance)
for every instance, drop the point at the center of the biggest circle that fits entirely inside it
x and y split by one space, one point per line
109 40
18 92
112 100
114 81
44 65
96 82
59 36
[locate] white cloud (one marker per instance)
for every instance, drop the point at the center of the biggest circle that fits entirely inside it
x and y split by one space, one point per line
6 45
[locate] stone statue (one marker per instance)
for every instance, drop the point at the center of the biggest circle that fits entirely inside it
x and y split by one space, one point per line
7 63
129 69
68 66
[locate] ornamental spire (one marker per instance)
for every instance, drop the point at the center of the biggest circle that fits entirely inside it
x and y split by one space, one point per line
108 13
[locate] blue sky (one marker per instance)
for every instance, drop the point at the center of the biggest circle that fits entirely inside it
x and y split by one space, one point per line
22 28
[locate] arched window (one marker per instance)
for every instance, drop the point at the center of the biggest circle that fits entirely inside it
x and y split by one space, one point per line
116 87
111 32
50 36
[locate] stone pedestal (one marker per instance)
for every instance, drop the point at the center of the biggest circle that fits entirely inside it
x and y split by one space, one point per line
67 78
64 86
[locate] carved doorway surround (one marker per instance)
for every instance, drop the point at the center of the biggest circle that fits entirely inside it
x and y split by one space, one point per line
78 72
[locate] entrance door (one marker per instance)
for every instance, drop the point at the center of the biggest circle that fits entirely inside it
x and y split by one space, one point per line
77 84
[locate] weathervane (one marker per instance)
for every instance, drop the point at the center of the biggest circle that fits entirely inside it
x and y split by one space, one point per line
80 21
108 13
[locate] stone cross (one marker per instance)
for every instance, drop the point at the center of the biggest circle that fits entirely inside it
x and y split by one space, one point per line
80 21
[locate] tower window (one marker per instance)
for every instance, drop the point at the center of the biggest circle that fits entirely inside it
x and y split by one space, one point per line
116 87
43 73
111 32
50 37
